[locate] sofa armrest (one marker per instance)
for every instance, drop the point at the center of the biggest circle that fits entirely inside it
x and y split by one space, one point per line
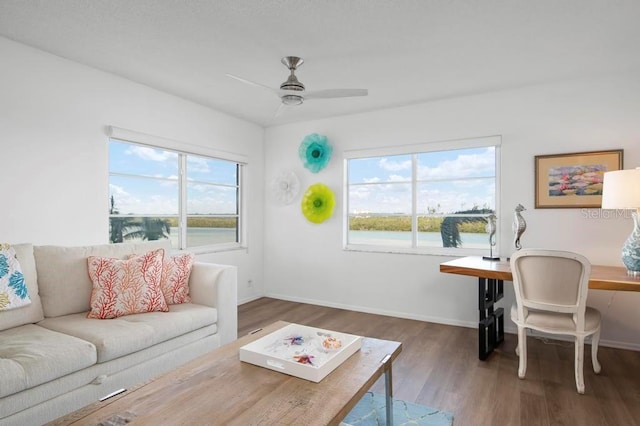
216 285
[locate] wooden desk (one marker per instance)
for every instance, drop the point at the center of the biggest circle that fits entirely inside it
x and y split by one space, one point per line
492 273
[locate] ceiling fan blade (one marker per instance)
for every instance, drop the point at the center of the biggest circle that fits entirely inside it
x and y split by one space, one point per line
335 93
253 83
279 110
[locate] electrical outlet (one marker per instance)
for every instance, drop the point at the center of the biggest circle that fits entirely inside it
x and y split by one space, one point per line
249 283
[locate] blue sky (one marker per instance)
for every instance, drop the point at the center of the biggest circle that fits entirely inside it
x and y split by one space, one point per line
159 195
448 181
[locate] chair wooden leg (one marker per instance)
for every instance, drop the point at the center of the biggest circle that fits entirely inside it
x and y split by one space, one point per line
579 363
522 349
595 340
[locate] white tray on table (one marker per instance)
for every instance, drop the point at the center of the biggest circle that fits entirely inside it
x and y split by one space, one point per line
298 350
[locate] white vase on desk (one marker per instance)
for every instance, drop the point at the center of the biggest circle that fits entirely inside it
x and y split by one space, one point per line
631 249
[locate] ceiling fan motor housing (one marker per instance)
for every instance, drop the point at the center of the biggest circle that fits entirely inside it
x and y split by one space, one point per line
292 83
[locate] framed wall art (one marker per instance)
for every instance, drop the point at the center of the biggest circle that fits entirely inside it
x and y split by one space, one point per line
573 180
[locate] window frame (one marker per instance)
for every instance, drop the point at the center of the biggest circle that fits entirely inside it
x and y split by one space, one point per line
184 150
414 150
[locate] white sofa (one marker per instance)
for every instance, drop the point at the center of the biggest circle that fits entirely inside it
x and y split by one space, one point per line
54 360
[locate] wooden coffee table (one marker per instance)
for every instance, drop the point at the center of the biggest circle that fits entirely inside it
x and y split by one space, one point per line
218 388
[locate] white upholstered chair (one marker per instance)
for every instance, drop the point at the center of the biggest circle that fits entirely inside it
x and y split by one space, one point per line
551 296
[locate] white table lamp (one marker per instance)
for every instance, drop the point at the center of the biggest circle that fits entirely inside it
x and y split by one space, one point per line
621 190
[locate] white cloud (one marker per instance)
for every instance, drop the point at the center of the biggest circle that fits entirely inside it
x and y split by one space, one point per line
380 198
464 165
151 154
197 165
371 180
398 178
128 203
360 192
172 182
449 201
394 166
390 179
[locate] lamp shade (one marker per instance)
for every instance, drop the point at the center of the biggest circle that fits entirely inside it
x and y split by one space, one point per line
621 189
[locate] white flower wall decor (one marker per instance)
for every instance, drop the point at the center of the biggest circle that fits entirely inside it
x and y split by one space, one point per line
285 187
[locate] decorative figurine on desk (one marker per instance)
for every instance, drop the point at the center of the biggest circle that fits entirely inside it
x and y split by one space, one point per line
491 230
519 226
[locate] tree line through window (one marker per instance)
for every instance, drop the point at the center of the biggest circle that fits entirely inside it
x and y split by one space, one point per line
156 193
423 201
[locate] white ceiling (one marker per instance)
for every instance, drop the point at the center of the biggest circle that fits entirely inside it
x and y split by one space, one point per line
403 51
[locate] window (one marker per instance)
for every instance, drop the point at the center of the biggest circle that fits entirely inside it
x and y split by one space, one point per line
431 198
157 193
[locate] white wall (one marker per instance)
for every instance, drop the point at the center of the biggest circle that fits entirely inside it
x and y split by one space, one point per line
53 151
54 186
305 262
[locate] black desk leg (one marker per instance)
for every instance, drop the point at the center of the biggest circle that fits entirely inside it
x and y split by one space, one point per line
491 324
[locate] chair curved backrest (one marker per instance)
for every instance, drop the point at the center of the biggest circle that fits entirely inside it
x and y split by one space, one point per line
551 280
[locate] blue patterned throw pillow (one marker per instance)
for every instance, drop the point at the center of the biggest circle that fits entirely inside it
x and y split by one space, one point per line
13 288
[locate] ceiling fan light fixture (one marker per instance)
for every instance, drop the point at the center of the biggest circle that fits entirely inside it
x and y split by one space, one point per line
292 100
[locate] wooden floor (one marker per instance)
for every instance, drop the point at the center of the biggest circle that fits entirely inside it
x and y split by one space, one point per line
438 367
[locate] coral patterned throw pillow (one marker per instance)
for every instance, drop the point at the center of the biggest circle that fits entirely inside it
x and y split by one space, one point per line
175 279
124 287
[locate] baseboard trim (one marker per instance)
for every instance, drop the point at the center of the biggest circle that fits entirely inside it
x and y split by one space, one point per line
603 342
437 320
250 299
368 310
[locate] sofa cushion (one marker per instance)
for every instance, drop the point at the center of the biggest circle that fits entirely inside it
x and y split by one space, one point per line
118 337
31 313
63 277
67 393
125 287
31 355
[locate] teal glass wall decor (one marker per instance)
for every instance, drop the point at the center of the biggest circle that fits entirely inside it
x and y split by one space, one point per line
317 203
315 152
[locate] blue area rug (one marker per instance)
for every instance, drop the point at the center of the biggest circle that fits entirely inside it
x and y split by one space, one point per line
371 410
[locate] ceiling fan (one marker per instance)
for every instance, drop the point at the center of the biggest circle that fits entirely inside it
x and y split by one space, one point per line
292 92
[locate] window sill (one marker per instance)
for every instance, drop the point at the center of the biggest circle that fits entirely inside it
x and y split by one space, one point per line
214 249
430 251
